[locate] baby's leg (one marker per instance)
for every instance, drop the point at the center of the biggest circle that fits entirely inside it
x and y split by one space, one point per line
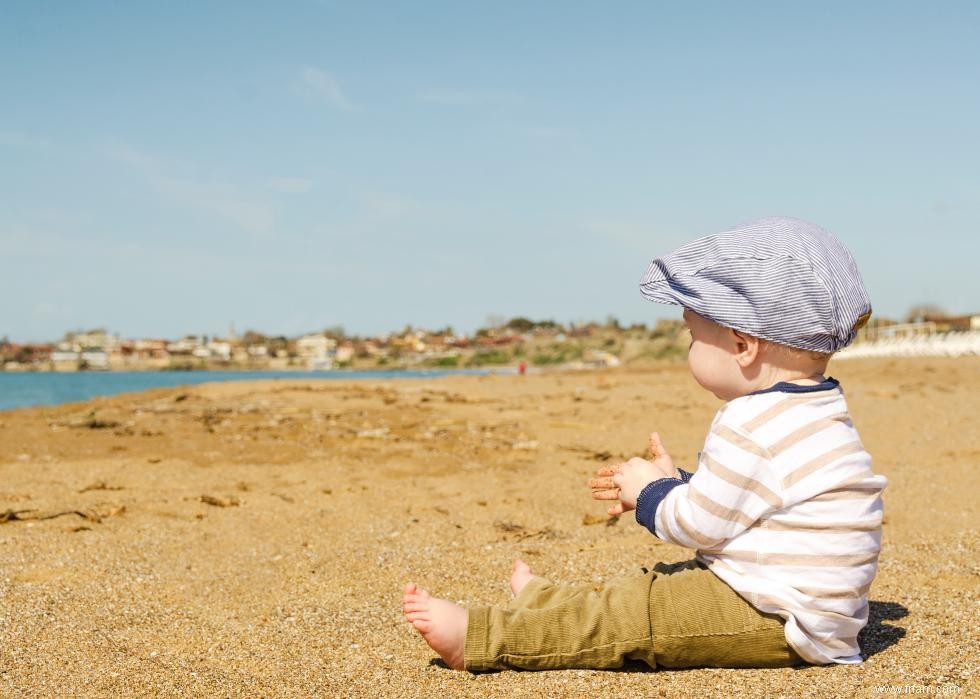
443 624
700 622
534 592
546 626
551 626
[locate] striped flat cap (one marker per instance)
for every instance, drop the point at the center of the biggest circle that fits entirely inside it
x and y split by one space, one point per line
779 279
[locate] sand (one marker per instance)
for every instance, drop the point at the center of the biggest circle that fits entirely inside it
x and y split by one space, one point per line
252 539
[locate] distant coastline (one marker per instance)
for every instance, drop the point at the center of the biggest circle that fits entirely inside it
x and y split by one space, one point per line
235 369
50 388
517 341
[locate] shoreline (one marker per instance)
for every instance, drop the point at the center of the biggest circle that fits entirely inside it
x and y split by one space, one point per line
26 389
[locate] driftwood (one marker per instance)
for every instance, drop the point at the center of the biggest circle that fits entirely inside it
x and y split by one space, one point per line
35 515
100 485
216 501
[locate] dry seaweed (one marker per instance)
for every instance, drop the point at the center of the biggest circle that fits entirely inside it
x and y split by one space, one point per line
597 454
90 515
100 485
230 501
520 532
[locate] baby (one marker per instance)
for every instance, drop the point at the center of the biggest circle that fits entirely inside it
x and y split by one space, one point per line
783 511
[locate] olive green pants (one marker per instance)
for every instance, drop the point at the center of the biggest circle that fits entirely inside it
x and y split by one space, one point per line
678 615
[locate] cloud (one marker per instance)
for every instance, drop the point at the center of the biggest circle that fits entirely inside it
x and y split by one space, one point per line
395 216
318 83
291 185
220 200
470 97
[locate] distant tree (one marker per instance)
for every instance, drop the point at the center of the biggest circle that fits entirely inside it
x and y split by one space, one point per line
449 361
520 324
667 327
335 332
276 344
253 337
488 357
924 311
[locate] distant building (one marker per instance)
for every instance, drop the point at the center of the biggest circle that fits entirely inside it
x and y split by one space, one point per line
410 340
186 345
601 358
16 357
908 329
98 339
345 352
316 350
65 359
151 349
220 349
93 359
140 354
371 348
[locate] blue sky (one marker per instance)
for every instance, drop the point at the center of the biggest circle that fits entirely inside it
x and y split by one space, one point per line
170 168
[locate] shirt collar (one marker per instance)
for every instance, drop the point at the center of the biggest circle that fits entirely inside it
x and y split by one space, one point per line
827 384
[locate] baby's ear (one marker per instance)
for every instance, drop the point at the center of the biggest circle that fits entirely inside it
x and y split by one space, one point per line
746 347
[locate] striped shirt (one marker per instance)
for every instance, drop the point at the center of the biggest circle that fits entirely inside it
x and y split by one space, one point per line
784 508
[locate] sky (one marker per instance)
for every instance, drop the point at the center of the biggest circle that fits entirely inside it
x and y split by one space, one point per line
173 168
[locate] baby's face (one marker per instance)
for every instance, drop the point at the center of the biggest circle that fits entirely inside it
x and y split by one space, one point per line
711 357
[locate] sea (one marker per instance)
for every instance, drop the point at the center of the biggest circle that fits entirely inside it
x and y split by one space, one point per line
21 389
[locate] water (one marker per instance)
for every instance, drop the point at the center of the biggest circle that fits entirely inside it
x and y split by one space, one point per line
49 388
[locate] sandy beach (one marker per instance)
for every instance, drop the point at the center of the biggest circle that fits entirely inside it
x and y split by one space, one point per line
252 539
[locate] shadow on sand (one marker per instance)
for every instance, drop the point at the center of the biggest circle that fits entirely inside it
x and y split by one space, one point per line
877 635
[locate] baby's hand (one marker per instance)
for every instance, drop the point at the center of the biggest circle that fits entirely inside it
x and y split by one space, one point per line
625 481
661 459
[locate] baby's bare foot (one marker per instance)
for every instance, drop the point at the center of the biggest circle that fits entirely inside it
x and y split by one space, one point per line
520 577
441 623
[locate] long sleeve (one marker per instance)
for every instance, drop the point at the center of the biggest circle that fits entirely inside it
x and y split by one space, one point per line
652 494
736 471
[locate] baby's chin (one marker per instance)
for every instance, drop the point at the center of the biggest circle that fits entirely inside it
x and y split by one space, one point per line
725 393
